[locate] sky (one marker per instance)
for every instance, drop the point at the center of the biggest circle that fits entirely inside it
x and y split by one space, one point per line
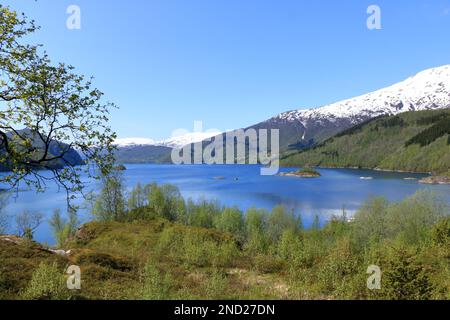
234 63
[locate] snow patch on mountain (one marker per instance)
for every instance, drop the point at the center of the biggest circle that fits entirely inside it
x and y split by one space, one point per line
188 138
129 142
173 142
429 89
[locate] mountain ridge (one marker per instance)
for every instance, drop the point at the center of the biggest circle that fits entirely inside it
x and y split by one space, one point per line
303 128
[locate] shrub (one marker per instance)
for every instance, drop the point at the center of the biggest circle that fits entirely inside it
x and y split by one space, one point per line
137 198
369 223
215 285
230 221
197 247
47 283
403 277
290 247
411 219
63 229
203 213
266 263
154 284
110 204
440 233
339 266
257 240
166 201
279 221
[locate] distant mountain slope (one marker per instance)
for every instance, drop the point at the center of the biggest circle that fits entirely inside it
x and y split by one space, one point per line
143 150
411 141
429 89
143 154
71 156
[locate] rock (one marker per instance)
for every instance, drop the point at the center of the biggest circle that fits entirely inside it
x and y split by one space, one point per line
435 180
58 252
309 173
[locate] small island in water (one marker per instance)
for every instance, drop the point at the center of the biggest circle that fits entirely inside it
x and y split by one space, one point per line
437 178
306 172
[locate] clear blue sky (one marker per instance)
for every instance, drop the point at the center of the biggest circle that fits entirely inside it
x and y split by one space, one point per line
233 63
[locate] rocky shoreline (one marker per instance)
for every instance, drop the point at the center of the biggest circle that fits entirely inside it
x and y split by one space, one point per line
435 180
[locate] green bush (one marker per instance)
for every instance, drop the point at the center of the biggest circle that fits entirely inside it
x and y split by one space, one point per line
166 200
279 221
215 285
63 229
47 283
403 276
290 247
203 213
197 247
109 205
154 284
338 268
440 233
231 220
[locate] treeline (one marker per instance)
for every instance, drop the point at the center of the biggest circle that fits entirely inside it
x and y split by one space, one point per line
432 133
145 202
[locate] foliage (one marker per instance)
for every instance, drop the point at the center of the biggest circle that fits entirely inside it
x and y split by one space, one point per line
440 233
230 220
279 221
166 201
110 204
155 284
47 283
49 112
257 239
408 221
404 278
215 285
259 255
432 133
63 229
137 197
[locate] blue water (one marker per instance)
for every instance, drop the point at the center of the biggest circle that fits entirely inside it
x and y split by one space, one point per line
243 186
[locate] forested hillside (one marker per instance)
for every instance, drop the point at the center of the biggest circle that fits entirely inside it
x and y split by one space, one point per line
411 141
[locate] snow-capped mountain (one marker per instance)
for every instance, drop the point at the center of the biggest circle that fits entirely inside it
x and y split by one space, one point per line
429 89
173 142
188 138
131 142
